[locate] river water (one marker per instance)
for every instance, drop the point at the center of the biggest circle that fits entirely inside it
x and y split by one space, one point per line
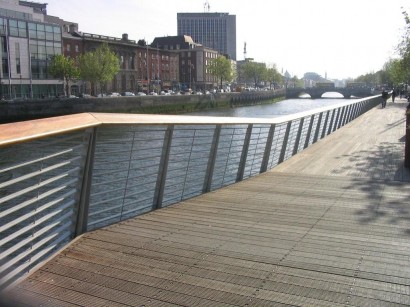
284 107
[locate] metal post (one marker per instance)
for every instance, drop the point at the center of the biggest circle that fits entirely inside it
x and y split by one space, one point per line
339 124
285 143
268 147
319 123
84 199
325 125
407 144
212 159
298 136
244 155
330 129
337 119
163 168
346 118
309 132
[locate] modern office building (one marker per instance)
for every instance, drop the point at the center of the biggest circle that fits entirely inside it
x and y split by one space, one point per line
213 30
27 45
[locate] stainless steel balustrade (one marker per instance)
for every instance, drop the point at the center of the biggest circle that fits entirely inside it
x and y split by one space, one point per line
55 187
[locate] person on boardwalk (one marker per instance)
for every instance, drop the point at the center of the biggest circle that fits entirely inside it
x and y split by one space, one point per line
393 95
385 95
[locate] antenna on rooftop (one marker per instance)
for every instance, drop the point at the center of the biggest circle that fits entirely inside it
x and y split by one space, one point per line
244 51
207 7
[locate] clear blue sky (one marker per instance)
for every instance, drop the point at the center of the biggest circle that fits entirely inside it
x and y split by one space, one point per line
341 38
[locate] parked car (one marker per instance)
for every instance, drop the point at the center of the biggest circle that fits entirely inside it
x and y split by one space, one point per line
114 94
128 94
141 94
153 94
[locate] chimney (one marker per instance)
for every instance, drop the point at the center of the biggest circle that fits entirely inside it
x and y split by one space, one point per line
125 37
73 28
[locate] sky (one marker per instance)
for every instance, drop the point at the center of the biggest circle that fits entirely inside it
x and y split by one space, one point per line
340 39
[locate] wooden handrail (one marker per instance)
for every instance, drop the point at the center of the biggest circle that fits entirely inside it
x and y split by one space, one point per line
18 132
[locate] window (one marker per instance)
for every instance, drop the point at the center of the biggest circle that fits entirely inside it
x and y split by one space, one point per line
49 33
68 48
41 31
18 64
5 66
77 49
13 30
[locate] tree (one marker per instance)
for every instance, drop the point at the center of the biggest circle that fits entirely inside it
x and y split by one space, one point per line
396 72
221 68
254 71
64 69
273 76
99 66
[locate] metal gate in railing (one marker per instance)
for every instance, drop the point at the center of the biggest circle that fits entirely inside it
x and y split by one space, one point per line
55 187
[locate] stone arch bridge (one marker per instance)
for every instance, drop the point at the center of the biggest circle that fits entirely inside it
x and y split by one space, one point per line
317 92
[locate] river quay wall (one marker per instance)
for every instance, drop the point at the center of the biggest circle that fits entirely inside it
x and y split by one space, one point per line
12 111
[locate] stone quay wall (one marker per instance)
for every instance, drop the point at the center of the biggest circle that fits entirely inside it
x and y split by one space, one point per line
12 111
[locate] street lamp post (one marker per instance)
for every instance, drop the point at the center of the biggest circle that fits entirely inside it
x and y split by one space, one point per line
191 66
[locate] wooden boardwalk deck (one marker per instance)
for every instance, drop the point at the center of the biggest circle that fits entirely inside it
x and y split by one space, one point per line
329 227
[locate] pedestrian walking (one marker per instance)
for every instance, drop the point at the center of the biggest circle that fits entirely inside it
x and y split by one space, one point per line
385 95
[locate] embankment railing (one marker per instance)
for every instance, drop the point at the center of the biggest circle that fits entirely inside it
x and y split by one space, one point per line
63 176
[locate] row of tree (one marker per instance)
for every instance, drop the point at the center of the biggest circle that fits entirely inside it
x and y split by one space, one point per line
101 66
97 67
257 73
395 72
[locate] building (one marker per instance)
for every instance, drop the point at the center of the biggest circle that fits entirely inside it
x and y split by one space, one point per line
28 44
213 30
194 59
142 67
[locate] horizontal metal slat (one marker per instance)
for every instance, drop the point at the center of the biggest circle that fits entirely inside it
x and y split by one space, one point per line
16 166
37 186
38 198
28 215
38 222
37 173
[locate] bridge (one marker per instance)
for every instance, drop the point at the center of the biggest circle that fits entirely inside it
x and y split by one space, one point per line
321 219
317 92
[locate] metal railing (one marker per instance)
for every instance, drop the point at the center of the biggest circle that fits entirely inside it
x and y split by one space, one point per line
60 178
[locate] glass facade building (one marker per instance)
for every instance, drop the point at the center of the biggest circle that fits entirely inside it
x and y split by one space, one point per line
213 30
28 46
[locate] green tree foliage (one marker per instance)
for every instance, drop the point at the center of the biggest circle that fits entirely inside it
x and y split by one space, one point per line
395 72
254 71
64 69
99 66
273 76
398 70
221 68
